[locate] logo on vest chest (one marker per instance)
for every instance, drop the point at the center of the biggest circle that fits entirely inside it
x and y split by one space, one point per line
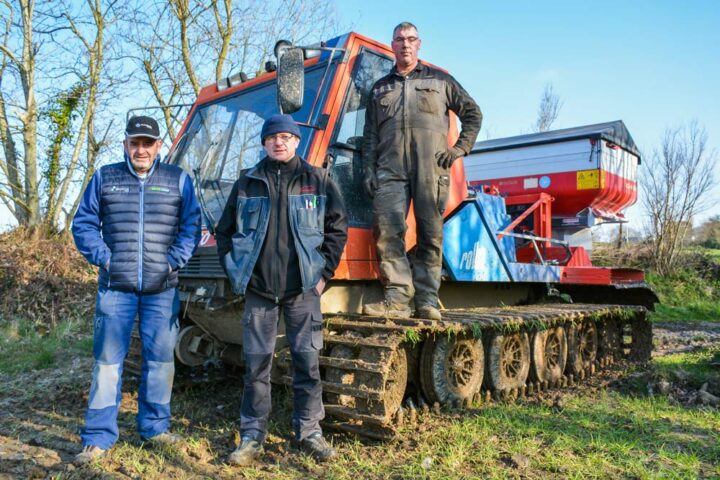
117 189
159 189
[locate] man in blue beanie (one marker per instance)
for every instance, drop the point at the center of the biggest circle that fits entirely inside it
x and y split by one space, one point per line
280 239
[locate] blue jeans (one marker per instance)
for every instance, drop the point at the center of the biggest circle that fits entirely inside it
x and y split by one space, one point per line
115 314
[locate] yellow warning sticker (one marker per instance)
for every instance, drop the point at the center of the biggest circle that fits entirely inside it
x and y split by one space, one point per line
588 179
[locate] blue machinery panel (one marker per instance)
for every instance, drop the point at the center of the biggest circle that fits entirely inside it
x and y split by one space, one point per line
471 251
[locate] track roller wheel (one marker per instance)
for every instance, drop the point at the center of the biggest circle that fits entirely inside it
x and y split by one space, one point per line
191 340
508 361
549 354
451 369
582 346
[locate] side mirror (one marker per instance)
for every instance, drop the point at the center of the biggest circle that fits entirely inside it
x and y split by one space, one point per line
290 77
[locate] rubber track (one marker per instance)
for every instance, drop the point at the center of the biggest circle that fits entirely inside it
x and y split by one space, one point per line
363 395
353 330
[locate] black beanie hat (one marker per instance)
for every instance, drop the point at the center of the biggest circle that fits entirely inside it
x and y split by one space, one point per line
279 124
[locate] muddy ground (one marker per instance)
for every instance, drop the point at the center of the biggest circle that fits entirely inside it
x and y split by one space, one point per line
41 412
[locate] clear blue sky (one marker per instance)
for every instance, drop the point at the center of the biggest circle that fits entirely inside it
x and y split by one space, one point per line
652 64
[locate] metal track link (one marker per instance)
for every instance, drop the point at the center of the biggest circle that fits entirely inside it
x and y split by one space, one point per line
341 389
284 359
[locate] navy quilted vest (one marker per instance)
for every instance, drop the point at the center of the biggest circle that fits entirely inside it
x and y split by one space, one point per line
139 224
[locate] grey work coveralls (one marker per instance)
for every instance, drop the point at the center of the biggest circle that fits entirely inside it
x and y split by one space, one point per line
406 126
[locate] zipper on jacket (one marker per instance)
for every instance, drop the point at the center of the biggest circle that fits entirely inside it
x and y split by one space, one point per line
277 236
406 126
141 235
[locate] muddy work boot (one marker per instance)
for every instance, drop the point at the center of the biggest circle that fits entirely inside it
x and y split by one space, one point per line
387 309
165 438
247 453
317 447
428 312
89 454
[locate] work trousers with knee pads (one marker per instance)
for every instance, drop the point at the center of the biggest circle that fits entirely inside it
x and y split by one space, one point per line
427 185
115 313
303 328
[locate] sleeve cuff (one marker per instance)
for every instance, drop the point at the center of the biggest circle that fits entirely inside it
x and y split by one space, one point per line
104 260
172 264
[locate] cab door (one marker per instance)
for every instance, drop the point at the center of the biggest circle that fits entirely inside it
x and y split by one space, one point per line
345 163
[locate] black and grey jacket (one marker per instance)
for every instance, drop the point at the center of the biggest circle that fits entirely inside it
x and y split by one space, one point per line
281 231
408 115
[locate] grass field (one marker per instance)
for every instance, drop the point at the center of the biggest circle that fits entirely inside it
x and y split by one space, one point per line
614 426
23 348
609 428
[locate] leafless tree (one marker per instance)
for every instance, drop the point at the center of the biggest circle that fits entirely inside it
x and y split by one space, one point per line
55 79
181 45
63 63
19 112
96 81
548 110
675 185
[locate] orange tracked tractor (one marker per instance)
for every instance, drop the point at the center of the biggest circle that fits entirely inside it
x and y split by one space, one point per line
523 307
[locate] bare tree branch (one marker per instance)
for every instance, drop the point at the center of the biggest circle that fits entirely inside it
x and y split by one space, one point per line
225 30
548 110
181 9
9 166
675 186
93 78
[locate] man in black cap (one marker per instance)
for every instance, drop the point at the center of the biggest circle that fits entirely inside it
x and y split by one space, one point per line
280 238
139 222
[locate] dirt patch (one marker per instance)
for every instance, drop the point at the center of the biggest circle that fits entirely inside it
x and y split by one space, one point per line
680 337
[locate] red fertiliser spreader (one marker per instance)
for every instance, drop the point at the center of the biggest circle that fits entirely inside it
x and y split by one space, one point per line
590 171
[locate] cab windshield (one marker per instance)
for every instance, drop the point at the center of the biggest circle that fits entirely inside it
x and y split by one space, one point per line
223 138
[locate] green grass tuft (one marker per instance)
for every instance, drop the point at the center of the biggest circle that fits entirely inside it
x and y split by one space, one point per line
692 369
476 330
685 295
23 347
412 337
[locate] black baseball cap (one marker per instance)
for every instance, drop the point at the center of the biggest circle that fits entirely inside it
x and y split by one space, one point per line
142 127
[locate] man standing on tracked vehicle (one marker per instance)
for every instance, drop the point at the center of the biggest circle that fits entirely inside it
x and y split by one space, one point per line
406 157
139 222
280 238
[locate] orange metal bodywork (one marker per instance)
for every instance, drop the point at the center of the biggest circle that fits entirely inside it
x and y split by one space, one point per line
359 260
